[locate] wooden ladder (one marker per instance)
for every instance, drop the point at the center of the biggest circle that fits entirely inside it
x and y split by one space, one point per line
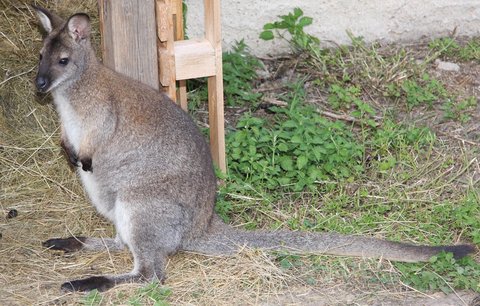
137 33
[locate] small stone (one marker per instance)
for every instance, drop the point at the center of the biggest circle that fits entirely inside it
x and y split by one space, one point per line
447 66
12 213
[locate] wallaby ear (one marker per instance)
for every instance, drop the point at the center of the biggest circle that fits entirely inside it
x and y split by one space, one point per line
49 20
79 26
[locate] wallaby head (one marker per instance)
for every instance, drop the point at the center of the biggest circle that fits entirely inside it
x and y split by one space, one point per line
66 50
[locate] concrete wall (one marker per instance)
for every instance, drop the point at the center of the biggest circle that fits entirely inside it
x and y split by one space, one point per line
385 20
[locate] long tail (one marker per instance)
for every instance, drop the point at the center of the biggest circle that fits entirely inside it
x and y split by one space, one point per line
225 240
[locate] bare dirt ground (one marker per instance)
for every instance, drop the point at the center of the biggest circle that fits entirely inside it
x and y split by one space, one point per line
38 184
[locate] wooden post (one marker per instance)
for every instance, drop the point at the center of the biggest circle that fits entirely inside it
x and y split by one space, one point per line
215 84
129 38
166 55
180 35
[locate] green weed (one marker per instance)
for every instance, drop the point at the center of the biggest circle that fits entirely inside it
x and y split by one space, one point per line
92 298
424 91
450 48
442 272
294 151
239 71
293 24
457 110
151 293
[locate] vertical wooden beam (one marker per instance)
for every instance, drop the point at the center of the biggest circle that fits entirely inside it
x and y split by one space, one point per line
215 84
166 53
129 38
180 35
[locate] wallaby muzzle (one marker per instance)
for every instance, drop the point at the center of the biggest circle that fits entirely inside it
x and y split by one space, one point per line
42 83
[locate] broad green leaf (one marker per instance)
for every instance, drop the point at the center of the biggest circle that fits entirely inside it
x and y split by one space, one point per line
297 12
282 147
267 35
286 163
304 21
302 160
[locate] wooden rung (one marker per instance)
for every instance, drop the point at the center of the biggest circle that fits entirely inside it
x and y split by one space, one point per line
194 58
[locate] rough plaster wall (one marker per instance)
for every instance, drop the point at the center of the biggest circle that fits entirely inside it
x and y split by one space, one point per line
384 20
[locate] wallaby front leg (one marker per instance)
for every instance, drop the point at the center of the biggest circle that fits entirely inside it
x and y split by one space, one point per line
86 152
68 149
69 153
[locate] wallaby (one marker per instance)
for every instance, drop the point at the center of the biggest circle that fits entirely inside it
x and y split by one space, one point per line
147 168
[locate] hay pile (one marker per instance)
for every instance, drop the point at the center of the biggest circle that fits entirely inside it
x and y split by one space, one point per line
37 182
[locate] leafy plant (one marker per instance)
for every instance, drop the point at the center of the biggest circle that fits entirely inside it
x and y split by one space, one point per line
449 47
466 216
445 46
92 298
393 137
294 151
427 91
442 272
239 71
456 110
343 97
293 24
151 293
349 97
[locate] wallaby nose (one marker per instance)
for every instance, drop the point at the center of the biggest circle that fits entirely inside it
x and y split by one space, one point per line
41 83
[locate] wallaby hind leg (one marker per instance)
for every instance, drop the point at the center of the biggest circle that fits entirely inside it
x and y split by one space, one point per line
150 238
74 244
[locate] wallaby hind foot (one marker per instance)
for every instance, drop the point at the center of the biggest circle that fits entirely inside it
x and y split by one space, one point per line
75 244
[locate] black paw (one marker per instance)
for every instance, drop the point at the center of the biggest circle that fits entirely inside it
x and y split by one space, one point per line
71 244
86 164
100 283
73 160
70 154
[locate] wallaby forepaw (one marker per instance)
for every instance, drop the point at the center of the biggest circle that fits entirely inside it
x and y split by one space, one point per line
71 244
100 283
86 164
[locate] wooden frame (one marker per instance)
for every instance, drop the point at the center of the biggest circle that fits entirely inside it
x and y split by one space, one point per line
152 31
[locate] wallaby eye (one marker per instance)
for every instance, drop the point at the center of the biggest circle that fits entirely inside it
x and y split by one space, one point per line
41 56
63 61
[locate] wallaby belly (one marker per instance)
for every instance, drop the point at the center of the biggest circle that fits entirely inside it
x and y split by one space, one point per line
102 198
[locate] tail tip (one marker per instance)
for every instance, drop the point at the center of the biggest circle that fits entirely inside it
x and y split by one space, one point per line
459 251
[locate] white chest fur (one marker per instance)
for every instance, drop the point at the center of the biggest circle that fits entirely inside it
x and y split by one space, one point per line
73 129
69 118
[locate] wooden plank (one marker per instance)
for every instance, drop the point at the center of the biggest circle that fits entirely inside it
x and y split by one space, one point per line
165 48
215 84
194 58
129 38
180 35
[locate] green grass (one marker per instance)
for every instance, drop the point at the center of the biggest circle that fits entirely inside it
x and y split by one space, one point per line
450 48
150 294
